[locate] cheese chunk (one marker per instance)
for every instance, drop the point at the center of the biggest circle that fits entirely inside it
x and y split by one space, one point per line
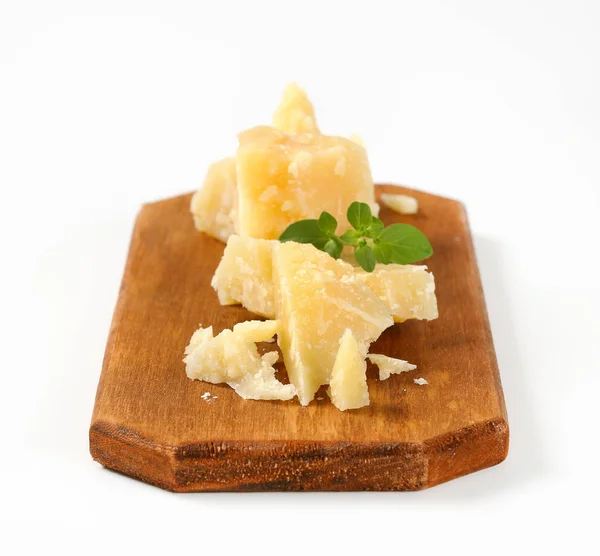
390 366
316 301
214 205
245 275
348 387
232 357
295 114
402 204
408 291
285 178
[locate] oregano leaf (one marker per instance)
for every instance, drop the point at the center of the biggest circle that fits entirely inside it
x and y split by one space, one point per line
365 257
334 247
359 215
327 223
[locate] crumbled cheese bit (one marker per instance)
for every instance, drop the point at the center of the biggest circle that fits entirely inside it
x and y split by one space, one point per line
232 357
402 204
390 366
420 381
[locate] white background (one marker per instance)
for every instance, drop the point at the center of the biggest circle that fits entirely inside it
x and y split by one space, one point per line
104 106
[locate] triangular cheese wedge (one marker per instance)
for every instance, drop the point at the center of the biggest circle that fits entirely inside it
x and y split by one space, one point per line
316 301
348 387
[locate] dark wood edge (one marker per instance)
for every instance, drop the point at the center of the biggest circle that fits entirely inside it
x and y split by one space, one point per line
300 465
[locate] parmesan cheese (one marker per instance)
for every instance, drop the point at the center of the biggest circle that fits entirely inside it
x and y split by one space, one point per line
282 174
348 387
390 366
402 204
232 357
295 114
408 291
214 205
245 275
284 178
316 302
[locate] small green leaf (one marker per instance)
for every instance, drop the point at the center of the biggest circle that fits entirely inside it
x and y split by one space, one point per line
365 257
375 228
351 237
334 247
327 223
359 215
383 252
407 243
305 231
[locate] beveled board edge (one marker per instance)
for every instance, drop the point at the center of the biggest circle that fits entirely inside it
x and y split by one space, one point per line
296 466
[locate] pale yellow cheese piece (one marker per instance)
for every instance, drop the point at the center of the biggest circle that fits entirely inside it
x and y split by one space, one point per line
316 301
348 387
232 357
295 114
245 275
285 178
408 291
357 139
390 366
214 205
402 204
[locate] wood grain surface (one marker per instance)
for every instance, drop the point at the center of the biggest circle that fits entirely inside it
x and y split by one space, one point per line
150 422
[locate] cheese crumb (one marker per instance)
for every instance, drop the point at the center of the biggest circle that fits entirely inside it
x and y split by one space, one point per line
420 381
390 366
402 204
232 357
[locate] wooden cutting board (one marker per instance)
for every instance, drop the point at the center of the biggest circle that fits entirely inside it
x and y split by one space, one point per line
151 422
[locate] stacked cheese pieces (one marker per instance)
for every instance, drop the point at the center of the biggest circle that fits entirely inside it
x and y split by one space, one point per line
325 312
318 301
283 174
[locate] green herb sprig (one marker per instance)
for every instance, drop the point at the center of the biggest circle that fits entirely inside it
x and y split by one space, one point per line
371 240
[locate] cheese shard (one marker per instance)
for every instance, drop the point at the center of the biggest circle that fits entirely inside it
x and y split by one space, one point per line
214 205
295 114
245 275
402 204
232 357
408 291
390 366
285 178
316 300
348 387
